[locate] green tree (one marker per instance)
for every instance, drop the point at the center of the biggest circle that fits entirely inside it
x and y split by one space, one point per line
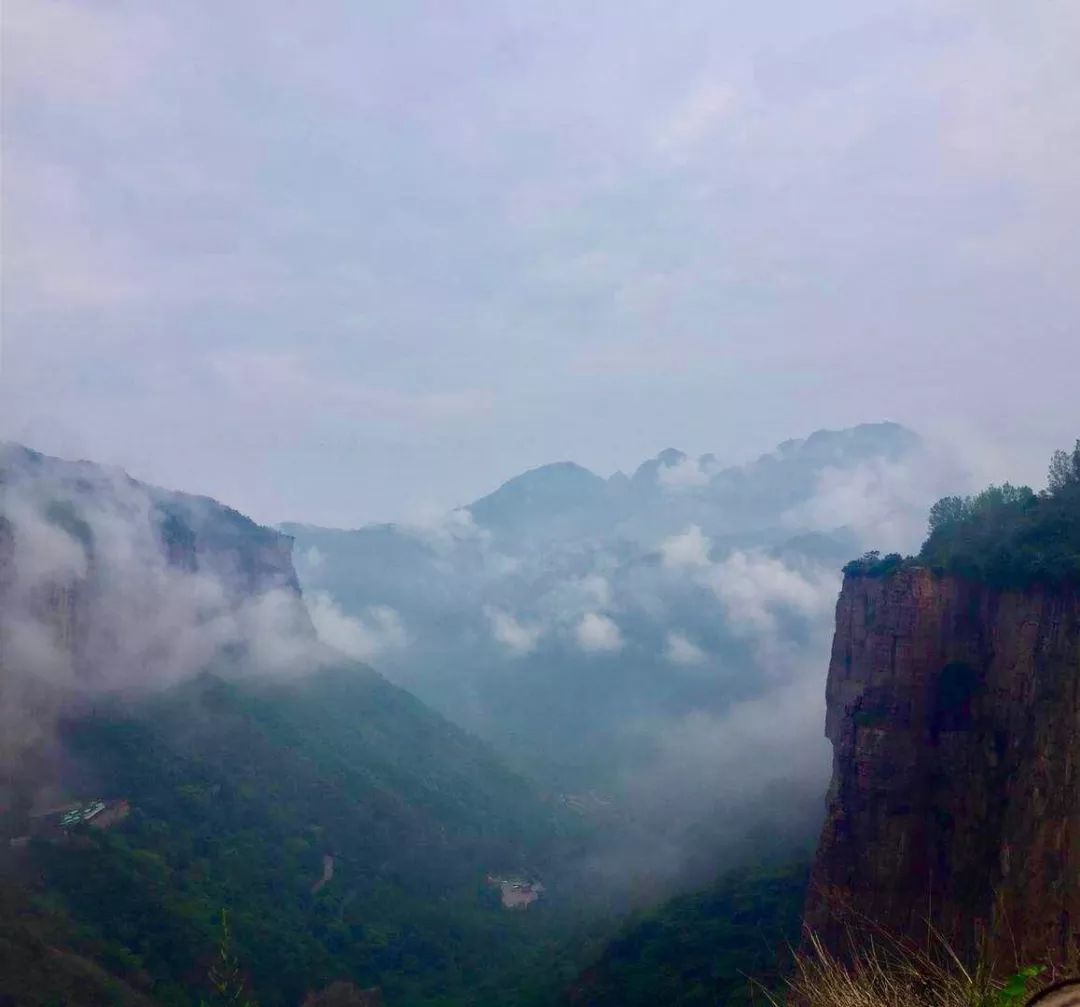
1064 469
225 976
948 511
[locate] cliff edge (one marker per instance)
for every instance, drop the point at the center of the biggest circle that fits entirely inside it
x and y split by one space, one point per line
954 713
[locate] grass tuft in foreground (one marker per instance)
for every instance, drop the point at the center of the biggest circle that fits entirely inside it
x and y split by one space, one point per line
886 972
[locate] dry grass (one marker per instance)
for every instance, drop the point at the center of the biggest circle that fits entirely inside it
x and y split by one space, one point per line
883 972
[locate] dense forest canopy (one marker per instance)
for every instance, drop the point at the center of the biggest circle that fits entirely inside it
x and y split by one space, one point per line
1009 536
238 791
716 946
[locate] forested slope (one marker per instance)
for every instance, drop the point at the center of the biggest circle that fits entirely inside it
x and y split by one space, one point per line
238 792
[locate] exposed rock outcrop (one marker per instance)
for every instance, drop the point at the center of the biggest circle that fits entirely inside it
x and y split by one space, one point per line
954 714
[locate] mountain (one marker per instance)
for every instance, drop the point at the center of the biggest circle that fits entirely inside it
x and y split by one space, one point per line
953 710
551 501
606 634
178 742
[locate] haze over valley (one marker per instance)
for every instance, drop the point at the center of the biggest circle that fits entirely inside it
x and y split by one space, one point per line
651 644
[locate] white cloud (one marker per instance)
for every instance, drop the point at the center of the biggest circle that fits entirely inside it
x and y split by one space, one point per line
728 758
444 530
682 650
685 474
880 501
886 502
43 551
597 633
754 587
688 550
518 637
569 597
95 604
380 629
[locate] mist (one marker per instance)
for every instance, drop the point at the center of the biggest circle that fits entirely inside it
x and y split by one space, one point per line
111 589
658 640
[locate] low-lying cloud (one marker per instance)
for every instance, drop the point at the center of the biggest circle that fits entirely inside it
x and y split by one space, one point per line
517 637
597 633
105 591
682 650
687 473
755 589
364 637
689 549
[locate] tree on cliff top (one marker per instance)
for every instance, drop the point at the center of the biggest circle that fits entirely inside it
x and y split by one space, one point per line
1010 535
1064 471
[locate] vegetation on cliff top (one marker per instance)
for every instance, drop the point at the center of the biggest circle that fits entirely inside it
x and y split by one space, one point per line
1008 536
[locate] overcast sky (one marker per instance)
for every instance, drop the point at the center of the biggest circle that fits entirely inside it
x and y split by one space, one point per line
349 261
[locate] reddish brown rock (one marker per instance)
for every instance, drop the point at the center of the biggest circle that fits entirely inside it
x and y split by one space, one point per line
954 714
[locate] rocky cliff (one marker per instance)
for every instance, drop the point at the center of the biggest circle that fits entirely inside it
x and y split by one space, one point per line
954 714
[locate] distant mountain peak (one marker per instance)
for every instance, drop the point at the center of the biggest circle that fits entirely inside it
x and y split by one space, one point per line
564 473
538 495
671 456
885 437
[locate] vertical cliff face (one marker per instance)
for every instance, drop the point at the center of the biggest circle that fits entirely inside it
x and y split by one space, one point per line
954 714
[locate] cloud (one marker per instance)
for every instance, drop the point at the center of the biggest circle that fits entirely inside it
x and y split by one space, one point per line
885 502
754 588
444 530
564 598
598 634
729 759
686 551
687 473
880 501
94 601
42 551
682 650
363 637
518 637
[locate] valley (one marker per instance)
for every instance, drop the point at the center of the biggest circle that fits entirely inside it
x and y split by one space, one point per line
539 504
197 761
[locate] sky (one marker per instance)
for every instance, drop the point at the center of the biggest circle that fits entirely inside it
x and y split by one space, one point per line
343 262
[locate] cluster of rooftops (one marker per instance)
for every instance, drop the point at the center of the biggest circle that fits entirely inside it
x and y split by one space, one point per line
83 813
